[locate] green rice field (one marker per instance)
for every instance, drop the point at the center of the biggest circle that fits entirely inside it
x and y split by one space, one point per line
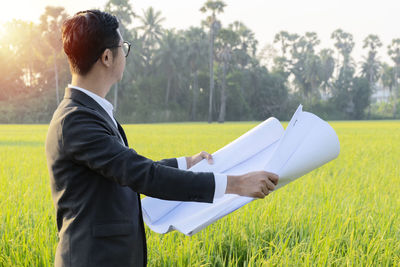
346 213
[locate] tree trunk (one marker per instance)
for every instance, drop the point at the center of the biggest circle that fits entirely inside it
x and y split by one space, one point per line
395 101
222 110
195 95
211 58
167 92
115 98
371 87
396 88
56 79
338 65
243 95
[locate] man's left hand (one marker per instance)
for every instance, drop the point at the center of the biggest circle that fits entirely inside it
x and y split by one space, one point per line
190 161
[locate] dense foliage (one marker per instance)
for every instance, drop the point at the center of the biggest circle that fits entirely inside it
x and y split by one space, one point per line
213 72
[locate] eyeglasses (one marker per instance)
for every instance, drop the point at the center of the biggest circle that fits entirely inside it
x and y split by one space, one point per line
126 47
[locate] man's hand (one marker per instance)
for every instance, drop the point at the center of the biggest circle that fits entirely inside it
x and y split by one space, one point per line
190 161
253 184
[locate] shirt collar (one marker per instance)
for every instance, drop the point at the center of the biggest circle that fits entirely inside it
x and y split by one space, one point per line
104 103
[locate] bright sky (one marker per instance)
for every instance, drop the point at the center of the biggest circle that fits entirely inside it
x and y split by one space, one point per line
265 18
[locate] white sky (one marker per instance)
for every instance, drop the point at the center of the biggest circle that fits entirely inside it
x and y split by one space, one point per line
265 18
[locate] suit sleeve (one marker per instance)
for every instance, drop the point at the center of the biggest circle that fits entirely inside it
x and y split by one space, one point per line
172 162
87 140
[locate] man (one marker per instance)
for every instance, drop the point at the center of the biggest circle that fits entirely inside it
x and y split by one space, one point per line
95 177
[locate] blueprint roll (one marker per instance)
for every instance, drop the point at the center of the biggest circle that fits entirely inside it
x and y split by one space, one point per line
306 144
236 152
249 144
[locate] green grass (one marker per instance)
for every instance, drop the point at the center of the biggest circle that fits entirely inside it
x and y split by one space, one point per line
344 213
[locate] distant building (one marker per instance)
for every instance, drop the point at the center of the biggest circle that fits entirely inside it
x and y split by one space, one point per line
325 95
380 94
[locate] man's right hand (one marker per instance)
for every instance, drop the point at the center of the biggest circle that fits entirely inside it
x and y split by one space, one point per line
253 184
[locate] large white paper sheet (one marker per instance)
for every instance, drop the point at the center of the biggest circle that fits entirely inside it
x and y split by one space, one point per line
307 143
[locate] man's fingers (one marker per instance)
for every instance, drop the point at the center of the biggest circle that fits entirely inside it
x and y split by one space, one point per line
265 190
270 185
257 195
207 156
273 178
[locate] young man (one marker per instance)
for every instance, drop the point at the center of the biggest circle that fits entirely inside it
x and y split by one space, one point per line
95 177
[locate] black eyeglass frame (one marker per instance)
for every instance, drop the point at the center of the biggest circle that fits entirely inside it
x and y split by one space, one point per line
129 47
125 42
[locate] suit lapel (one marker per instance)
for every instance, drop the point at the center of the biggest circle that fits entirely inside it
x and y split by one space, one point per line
122 132
89 102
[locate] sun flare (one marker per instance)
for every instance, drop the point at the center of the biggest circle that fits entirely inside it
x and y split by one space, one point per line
24 10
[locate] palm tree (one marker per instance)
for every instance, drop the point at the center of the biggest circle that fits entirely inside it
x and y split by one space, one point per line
51 23
283 63
305 64
312 74
215 7
151 32
123 10
371 66
195 57
248 43
11 84
313 65
387 76
344 44
136 56
394 53
327 67
244 54
167 58
226 41
283 37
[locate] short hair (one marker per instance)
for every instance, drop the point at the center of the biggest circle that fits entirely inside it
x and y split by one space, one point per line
86 35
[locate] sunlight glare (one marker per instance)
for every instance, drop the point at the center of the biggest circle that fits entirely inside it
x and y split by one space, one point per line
24 10
2 32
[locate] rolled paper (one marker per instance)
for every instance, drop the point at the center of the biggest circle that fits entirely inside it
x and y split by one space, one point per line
306 144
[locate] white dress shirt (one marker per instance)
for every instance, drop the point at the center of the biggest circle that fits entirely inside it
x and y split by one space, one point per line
220 179
104 103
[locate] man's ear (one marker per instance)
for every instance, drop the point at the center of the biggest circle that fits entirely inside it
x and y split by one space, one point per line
107 58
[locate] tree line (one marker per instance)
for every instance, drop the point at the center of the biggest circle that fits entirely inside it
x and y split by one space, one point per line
212 72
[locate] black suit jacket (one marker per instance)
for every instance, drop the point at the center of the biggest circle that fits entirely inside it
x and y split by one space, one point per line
96 180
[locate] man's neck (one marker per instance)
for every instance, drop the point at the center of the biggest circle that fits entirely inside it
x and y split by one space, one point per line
93 84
